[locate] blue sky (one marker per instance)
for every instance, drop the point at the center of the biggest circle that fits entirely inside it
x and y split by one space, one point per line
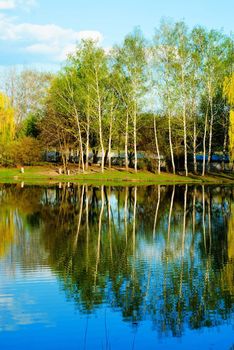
42 32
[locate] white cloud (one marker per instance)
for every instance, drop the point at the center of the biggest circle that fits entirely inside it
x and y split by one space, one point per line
49 39
41 49
28 3
12 4
89 34
7 5
66 50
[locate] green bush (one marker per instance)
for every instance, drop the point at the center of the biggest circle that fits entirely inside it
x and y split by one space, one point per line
24 151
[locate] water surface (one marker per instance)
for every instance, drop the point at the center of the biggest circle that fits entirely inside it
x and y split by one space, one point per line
85 267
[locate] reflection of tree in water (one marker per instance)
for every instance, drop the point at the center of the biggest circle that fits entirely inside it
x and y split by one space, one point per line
158 253
19 223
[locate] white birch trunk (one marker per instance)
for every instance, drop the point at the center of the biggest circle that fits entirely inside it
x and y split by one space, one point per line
135 138
100 124
80 140
87 143
204 147
126 143
110 135
185 127
195 145
156 144
170 142
211 126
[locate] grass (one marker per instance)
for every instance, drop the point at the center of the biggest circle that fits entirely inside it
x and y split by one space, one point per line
116 176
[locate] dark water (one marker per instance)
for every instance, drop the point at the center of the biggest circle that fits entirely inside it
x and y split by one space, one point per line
116 268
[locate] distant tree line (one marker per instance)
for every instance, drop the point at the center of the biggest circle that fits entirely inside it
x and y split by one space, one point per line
172 96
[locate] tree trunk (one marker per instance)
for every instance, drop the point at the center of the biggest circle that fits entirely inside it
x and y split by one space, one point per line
100 124
106 157
170 142
63 158
211 129
110 136
80 140
204 146
135 138
64 162
87 143
185 127
224 145
95 156
79 162
185 145
126 143
156 144
195 145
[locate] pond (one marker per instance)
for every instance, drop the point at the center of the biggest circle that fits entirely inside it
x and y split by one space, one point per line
95 267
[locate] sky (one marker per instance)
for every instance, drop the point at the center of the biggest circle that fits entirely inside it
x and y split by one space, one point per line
40 33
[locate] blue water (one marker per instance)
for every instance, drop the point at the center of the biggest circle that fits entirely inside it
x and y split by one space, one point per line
98 268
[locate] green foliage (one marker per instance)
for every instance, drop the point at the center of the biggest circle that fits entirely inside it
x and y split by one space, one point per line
30 127
229 93
7 123
24 151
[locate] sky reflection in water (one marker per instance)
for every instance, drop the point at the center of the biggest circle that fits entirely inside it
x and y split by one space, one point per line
98 267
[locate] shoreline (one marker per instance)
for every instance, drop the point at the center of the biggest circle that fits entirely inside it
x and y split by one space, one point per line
115 176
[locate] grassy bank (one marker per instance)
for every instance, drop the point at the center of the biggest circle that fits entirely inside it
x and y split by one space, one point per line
116 176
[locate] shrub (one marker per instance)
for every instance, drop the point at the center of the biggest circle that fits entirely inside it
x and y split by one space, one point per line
24 151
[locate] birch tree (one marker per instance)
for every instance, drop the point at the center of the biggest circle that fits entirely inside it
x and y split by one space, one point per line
212 78
132 59
65 101
196 49
27 90
164 55
182 63
96 73
122 87
80 61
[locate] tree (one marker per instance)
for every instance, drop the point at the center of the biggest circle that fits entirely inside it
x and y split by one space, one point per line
164 55
133 64
122 92
182 71
229 93
55 127
80 63
94 74
7 124
196 51
213 77
27 91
